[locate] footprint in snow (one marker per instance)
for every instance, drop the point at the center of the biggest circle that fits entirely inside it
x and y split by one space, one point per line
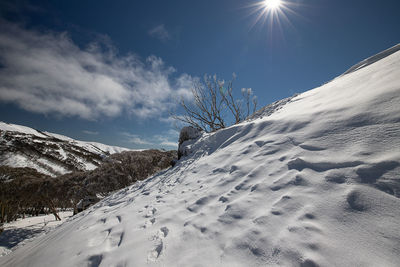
150 213
110 237
262 143
149 223
114 239
159 246
95 260
150 217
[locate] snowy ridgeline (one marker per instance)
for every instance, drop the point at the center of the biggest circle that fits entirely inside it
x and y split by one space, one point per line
314 183
49 153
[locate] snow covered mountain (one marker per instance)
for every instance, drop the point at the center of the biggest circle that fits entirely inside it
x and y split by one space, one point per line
313 181
49 153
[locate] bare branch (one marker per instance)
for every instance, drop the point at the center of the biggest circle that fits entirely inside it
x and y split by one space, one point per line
211 101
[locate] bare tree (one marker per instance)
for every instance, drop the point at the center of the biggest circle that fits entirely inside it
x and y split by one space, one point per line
250 101
213 103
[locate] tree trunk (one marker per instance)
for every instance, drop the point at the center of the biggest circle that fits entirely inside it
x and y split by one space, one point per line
53 210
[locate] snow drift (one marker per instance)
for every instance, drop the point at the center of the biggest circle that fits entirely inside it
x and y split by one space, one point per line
315 182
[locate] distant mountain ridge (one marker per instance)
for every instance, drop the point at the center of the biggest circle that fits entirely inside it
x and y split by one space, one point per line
49 153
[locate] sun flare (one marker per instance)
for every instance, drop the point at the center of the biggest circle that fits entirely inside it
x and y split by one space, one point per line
272 4
274 15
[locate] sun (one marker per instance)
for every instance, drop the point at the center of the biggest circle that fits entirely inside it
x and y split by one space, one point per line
272 4
272 13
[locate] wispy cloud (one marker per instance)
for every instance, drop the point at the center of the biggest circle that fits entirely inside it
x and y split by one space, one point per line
160 32
135 139
90 132
46 72
168 139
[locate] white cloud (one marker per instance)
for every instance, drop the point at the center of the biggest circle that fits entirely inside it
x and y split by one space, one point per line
160 32
136 139
169 139
169 144
48 73
184 84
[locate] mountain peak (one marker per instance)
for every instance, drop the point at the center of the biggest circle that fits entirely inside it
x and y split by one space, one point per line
49 153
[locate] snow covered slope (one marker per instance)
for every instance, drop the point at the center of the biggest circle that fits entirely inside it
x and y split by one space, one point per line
314 183
49 153
21 231
373 59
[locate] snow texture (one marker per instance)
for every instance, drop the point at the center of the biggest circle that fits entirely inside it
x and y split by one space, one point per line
315 183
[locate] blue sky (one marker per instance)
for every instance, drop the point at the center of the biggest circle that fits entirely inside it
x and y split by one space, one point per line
109 71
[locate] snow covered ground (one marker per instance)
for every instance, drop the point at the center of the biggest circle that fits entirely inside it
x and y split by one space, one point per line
314 183
22 231
93 147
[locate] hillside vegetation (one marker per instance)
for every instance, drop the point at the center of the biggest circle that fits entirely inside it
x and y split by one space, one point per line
26 191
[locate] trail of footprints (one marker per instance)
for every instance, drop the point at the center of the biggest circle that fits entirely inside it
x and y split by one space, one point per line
112 237
149 216
158 238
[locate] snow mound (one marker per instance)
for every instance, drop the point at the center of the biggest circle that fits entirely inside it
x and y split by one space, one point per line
315 183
